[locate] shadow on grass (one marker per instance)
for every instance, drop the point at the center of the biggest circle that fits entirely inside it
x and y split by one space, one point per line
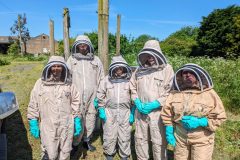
18 146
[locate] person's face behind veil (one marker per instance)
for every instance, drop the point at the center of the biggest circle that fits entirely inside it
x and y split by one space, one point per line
56 70
83 49
189 79
150 61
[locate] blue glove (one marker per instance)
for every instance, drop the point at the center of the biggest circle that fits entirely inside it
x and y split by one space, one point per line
77 126
139 105
132 113
191 122
149 107
170 136
102 114
34 128
95 103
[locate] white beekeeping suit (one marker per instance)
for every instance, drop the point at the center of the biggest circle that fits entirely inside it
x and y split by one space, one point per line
87 72
114 96
151 83
55 104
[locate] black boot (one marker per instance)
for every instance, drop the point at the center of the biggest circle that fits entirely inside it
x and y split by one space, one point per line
74 150
124 158
108 157
87 145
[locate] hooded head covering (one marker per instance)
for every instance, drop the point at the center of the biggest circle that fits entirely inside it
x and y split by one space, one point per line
82 39
119 61
204 79
46 73
152 48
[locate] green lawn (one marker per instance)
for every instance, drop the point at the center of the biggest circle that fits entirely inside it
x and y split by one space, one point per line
20 77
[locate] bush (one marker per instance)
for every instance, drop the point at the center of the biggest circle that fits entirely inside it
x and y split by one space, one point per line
4 61
13 49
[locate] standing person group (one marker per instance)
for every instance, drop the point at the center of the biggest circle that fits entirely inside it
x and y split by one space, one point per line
180 110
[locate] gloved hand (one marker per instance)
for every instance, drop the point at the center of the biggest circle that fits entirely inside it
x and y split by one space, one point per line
95 103
132 113
77 126
170 136
102 114
34 128
149 107
139 105
191 122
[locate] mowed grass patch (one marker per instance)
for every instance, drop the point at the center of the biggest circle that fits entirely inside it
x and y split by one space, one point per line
20 77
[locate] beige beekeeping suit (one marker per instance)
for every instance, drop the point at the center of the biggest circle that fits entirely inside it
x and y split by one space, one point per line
202 101
149 84
87 72
55 105
114 96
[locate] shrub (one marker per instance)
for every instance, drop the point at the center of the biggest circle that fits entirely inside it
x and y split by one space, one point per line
13 49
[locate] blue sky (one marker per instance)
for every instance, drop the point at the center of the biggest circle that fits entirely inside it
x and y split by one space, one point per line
153 17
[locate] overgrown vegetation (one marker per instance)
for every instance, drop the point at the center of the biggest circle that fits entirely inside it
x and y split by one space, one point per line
219 33
19 58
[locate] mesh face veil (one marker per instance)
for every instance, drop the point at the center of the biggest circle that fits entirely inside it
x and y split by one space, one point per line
204 79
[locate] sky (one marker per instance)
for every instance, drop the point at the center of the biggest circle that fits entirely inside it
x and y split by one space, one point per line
156 18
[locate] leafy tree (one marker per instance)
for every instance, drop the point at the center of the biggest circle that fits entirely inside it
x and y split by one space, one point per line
181 42
219 33
60 49
19 28
13 49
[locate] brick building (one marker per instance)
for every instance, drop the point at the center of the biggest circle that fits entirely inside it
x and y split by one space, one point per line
35 45
39 44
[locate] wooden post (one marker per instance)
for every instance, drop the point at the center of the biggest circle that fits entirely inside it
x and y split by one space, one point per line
66 26
51 38
103 15
118 35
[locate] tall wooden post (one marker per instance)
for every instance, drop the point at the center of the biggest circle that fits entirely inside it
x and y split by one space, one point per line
103 15
66 26
51 37
118 35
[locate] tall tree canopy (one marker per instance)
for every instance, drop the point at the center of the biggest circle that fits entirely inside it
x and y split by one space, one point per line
181 42
19 28
219 33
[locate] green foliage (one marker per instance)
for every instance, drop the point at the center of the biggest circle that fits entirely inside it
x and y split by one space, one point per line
13 49
181 42
4 61
219 33
19 28
228 140
28 57
60 49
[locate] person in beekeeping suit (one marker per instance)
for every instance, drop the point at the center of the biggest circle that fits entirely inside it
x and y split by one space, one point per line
192 113
115 109
150 86
53 111
87 72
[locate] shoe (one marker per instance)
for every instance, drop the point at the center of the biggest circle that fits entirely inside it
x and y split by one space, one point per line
87 145
74 150
108 157
124 158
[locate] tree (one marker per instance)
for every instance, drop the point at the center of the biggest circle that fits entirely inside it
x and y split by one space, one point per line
19 28
181 42
219 33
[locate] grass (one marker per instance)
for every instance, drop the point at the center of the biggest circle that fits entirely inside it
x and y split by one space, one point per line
20 77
